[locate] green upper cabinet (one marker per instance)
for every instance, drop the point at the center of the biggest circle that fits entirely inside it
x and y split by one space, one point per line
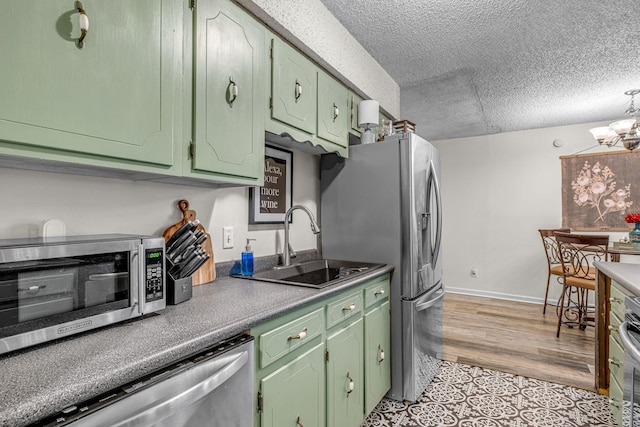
229 86
293 86
333 110
111 99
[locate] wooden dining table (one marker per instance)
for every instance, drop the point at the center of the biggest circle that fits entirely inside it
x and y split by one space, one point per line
616 252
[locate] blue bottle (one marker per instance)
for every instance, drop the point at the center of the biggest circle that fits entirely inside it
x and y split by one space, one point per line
247 260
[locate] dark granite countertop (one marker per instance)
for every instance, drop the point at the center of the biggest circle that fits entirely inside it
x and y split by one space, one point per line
627 275
43 380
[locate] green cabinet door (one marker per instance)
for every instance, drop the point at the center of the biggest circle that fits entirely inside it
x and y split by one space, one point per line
377 349
333 110
295 392
354 101
229 64
293 87
111 99
345 377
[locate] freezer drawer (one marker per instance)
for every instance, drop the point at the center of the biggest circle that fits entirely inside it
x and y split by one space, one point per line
422 342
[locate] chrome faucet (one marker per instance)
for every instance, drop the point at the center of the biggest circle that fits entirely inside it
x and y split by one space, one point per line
286 256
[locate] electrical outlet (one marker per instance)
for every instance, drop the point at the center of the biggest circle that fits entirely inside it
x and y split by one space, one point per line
227 237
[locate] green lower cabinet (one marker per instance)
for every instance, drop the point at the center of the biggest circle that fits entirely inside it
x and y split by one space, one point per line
294 394
377 348
345 376
326 364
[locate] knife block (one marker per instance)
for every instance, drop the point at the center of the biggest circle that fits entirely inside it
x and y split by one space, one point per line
178 290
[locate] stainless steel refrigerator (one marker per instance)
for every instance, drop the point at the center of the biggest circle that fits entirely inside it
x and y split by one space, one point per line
383 204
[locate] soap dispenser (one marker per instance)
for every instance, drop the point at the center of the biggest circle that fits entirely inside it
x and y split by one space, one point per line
247 260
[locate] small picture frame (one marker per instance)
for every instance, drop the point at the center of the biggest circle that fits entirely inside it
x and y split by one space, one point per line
269 203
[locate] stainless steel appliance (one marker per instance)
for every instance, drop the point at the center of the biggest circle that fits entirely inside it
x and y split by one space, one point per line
630 336
54 287
212 388
382 204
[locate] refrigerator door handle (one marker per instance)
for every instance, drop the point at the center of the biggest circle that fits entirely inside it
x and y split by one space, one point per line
432 182
426 301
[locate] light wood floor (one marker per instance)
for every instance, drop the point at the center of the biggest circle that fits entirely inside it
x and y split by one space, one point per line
515 337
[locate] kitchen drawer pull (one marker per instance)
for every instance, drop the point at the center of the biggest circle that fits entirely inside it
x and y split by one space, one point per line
615 403
300 336
336 111
381 353
233 91
298 92
84 24
612 328
615 300
32 289
380 292
350 308
613 361
299 423
352 385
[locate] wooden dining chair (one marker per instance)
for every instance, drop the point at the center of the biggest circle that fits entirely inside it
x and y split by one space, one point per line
578 252
554 267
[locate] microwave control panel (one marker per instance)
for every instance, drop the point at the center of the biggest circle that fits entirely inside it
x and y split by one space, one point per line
154 276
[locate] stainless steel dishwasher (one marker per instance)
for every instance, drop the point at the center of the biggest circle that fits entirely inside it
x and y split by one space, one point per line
211 388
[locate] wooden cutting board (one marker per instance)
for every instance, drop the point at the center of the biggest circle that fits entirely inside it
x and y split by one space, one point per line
206 273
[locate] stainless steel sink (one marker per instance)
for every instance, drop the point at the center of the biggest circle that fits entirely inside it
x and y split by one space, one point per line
317 273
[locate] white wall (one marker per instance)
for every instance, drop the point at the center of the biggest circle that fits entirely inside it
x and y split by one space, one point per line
497 191
92 205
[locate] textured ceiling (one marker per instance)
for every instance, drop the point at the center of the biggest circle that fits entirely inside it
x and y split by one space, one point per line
481 67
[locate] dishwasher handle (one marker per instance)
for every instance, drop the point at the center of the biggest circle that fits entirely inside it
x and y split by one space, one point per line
166 408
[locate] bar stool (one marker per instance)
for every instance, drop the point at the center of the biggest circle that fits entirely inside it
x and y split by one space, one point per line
554 266
578 252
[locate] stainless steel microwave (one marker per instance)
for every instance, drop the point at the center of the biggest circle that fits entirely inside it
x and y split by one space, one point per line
55 287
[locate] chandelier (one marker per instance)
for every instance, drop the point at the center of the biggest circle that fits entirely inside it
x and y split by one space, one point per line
623 130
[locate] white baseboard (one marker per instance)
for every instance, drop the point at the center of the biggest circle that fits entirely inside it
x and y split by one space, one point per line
499 295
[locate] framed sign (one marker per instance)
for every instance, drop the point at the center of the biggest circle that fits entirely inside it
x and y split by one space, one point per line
599 189
269 203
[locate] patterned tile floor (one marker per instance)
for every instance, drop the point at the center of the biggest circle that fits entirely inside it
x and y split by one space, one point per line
467 396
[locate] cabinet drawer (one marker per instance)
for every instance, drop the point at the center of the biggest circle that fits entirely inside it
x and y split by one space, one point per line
376 292
618 295
615 400
616 360
283 340
344 308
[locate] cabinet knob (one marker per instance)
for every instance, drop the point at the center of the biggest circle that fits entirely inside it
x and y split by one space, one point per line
350 308
84 24
336 111
300 336
352 385
299 423
298 90
614 300
613 361
611 328
615 403
380 292
232 91
381 352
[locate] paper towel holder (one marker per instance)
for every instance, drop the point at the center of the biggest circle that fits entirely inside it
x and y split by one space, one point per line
368 114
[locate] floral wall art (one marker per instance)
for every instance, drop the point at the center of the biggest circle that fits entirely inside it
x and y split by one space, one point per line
599 189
